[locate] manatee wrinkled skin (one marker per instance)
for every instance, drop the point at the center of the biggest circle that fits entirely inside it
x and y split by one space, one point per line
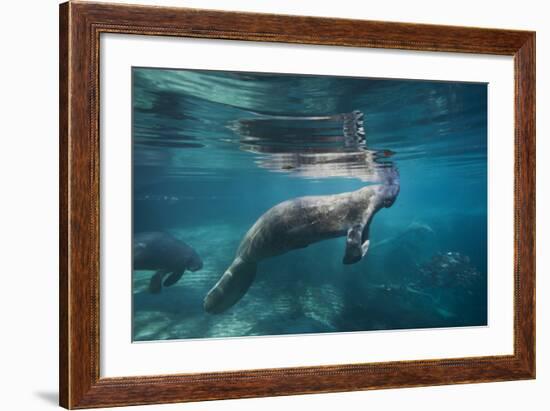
296 224
165 254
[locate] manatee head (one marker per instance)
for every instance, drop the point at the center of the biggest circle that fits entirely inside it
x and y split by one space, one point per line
389 189
194 262
389 194
386 194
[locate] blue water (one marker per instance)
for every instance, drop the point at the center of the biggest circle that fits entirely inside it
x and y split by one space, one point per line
212 151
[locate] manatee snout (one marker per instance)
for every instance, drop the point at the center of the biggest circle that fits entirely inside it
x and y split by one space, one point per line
195 263
389 193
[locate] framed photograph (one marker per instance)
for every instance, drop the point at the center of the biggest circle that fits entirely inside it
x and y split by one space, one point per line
258 205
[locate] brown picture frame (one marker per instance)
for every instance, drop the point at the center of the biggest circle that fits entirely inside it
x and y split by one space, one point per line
80 27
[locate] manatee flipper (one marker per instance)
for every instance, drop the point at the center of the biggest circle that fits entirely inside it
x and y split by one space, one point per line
173 278
231 286
365 241
357 241
354 250
155 285
365 247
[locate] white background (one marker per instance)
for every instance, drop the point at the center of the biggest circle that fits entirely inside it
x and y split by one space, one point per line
28 218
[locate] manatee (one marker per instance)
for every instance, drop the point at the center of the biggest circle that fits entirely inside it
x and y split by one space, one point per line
165 254
295 224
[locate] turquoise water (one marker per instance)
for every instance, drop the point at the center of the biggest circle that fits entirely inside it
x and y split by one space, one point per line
212 151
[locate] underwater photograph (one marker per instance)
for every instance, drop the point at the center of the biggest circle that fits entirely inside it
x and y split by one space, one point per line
272 204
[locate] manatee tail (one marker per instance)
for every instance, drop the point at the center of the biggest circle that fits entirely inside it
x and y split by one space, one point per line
230 288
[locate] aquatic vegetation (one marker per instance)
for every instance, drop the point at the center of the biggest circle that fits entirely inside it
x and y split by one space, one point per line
450 269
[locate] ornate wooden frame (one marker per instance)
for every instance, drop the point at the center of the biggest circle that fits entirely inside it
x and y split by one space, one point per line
80 27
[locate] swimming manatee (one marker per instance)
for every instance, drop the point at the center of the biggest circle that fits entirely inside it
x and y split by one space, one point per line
165 254
296 224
